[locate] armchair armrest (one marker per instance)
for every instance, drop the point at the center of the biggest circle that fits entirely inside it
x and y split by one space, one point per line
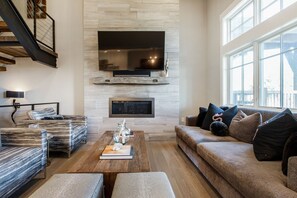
191 120
292 173
77 120
26 137
45 123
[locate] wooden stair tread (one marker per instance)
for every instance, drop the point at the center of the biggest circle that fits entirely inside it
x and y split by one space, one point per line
7 61
8 38
15 51
2 69
4 27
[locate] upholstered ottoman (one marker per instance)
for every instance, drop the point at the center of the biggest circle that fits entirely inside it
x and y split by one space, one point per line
71 185
142 185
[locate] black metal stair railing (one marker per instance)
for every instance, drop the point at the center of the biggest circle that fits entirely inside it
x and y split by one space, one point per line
36 36
39 21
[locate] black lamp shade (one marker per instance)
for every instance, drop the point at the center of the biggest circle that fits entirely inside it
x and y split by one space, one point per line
14 94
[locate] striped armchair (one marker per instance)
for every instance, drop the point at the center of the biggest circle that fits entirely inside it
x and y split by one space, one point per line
23 155
68 133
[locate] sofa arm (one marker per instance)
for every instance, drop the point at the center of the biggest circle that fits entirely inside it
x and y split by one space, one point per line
191 120
292 173
26 137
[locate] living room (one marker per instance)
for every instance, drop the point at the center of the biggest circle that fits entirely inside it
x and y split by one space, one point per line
196 50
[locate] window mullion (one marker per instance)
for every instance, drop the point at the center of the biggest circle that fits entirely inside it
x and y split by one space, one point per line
281 73
256 71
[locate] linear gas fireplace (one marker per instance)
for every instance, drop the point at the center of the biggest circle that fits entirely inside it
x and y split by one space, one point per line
132 107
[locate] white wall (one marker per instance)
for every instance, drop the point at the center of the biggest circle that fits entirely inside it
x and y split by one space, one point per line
214 10
193 45
45 84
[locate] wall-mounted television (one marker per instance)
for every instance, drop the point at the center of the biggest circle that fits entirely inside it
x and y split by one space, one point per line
131 50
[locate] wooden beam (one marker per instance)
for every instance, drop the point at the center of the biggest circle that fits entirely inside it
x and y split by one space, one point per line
2 69
7 61
4 27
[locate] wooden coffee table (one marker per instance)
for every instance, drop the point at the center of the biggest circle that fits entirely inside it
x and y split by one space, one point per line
91 163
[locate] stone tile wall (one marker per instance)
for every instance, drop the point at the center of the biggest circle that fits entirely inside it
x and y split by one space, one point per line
131 15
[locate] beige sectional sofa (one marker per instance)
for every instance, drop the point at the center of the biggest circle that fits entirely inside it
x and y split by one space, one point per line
231 166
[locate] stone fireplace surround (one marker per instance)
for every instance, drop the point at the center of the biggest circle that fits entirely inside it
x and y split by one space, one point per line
131 15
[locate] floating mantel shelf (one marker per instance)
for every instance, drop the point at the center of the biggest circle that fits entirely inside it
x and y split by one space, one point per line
130 81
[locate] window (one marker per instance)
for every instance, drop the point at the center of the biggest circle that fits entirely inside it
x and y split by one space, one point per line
248 14
241 78
278 70
242 21
268 8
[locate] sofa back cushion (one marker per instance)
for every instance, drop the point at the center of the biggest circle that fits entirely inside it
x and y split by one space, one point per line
244 127
38 115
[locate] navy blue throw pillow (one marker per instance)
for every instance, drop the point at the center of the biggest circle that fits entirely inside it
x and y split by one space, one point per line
212 110
228 115
271 137
201 116
289 150
219 128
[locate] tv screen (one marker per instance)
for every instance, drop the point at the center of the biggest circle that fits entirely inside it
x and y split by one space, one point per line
131 50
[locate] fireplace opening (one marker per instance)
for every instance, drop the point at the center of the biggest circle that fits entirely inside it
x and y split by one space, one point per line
132 107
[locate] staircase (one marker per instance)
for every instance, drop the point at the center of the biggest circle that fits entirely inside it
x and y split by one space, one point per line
30 34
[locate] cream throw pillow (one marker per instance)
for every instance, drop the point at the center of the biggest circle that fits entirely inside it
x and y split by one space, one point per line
244 127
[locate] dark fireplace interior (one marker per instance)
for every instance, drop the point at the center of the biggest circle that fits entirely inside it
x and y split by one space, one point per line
131 107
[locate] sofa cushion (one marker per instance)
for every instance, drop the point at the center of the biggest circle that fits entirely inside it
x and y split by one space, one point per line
236 162
19 163
244 127
271 137
195 135
289 150
38 115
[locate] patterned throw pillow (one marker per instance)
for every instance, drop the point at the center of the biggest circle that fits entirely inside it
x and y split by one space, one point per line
38 115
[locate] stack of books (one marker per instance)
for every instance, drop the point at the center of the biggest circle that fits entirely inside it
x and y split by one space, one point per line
126 152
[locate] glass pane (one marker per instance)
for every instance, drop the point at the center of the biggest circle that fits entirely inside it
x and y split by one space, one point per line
248 25
236 21
248 12
270 10
287 3
289 40
270 47
248 85
235 33
290 79
236 86
248 56
236 60
270 82
265 3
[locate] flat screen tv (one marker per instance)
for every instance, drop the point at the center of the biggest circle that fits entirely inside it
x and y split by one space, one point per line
131 50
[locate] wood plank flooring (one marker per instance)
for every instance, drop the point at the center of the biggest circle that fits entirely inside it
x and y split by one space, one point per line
164 156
